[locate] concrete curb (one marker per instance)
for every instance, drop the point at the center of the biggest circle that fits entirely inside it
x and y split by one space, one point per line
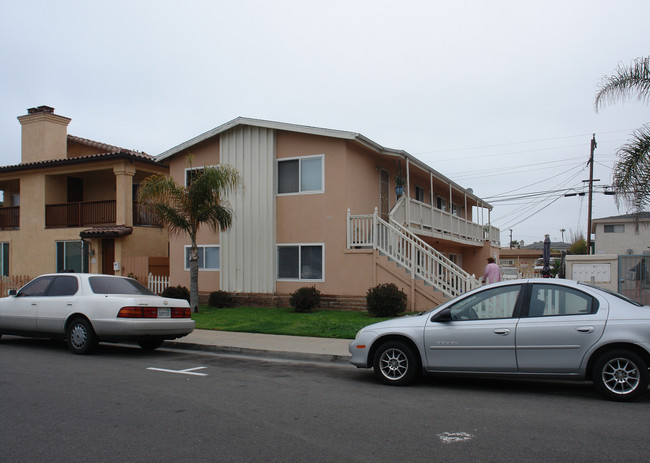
261 353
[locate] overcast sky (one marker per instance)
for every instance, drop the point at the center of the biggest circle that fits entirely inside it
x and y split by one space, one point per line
497 95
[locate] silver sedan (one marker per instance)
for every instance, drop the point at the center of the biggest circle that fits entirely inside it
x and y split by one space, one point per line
544 328
85 309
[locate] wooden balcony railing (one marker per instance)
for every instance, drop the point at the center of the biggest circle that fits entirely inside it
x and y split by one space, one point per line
81 214
90 213
10 218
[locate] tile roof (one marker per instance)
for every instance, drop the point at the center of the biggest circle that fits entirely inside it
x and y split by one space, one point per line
111 231
106 147
129 155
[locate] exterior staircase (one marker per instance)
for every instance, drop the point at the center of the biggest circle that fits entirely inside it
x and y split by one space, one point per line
399 245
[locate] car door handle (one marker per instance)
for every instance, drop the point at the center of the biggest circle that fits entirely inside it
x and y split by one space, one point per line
585 329
503 331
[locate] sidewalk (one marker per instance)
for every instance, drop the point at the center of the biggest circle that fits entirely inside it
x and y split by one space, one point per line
266 345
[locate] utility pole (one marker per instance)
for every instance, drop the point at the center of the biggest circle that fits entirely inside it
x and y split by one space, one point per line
591 190
562 230
511 238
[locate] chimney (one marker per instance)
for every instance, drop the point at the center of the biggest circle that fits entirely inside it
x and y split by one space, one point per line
44 135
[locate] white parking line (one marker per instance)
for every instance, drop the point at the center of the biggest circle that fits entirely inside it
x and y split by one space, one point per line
189 371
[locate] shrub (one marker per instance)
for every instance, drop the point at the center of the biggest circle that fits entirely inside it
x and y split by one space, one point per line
221 299
305 299
385 300
177 292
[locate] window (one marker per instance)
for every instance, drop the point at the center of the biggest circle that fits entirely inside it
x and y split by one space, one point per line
191 173
419 194
110 285
441 203
618 228
301 175
492 303
72 255
551 300
457 210
36 288
300 262
209 257
4 259
64 285
506 261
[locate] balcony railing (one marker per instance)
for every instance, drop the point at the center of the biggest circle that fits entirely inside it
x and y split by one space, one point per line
90 213
10 218
430 221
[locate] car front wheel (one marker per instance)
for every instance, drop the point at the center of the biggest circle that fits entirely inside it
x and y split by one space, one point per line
395 363
80 336
150 343
621 375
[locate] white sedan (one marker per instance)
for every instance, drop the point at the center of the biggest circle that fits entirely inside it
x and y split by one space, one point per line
85 309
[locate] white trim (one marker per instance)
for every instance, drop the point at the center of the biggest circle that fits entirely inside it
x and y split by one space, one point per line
300 245
187 169
189 246
300 159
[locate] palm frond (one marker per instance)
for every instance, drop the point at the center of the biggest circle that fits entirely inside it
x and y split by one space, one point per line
628 82
631 177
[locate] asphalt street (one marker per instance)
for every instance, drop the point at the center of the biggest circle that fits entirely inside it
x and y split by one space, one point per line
124 404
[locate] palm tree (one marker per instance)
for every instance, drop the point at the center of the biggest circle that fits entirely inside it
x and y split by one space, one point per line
632 171
184 209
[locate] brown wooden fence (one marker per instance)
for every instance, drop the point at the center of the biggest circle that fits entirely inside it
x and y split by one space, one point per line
12 282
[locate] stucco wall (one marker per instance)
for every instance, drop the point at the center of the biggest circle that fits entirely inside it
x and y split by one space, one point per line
591 269
619 243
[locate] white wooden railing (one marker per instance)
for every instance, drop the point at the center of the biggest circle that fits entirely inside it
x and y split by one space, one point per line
409 251
435 222
157 283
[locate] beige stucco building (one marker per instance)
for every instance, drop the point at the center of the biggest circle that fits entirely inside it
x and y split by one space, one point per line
70 203
321 207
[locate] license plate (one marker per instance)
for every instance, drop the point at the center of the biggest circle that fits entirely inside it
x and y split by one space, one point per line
164 312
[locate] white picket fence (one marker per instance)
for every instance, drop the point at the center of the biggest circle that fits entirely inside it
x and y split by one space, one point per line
157 283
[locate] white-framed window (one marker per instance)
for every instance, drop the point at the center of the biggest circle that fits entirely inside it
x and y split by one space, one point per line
209 257
616 228
72 255
301 262
441 203
419 194
301 175
507 261
457 210
4 259
191 173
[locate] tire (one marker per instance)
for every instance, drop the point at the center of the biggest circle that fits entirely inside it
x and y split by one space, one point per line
395 363
621 375
80 337
150 343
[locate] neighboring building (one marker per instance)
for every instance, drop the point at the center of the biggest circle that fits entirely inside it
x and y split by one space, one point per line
70 204
621 234
305 217
521 259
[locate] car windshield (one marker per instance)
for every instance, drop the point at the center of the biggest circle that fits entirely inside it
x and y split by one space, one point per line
109 285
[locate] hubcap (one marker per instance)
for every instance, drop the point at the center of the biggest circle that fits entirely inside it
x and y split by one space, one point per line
78 336
621 376
393 364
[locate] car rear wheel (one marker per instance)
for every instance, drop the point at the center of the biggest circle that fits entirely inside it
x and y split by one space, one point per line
395 363
81 337
150 343
621 375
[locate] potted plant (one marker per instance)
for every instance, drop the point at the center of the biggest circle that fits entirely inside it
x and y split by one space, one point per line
399 186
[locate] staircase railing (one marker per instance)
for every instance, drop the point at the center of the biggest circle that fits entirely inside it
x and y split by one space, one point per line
410 252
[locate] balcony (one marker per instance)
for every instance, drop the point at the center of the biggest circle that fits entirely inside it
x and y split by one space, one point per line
426 220
10 218
91 213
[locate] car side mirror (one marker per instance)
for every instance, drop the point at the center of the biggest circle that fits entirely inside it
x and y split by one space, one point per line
12 292
443 316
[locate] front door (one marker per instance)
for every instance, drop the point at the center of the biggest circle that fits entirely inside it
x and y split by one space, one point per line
384 195
108 256
480 335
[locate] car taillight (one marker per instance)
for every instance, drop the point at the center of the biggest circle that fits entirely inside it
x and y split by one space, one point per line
181 312
138 312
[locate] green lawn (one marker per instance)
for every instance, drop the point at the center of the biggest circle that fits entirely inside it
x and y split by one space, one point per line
322 324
